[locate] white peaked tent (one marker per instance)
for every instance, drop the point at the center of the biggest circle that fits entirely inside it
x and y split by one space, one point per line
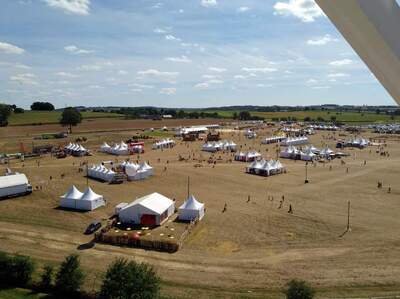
308 155
273 139
165 143
137 172
101 172
90 201
191 209
295 141
68 200
105 148
87 201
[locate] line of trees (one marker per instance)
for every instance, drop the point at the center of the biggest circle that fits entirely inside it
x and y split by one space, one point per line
123 279
157 113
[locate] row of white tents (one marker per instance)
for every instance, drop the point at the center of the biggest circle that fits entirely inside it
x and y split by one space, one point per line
136 171
215 146
75 149
324 127
247 157
295 141
309 153
87 201
357 142
265 167
121 149
101 172
273 139
164 143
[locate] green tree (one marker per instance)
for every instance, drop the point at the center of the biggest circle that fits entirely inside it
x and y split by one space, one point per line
70 117
22 270
244 115
69 277
333 118
15 270
235 115
130 280
5 112
46 279
298 289
42 106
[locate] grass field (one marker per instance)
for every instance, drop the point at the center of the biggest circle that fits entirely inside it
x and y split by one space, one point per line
51 117
347 117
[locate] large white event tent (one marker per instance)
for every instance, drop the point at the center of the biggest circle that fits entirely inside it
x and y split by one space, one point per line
87 201
152 209
137 172
215 146
191 209
295 140
247 157
164 143
327 153
265 168
101 172
75 149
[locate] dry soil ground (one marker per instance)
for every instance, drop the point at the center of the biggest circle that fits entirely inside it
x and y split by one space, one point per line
253 248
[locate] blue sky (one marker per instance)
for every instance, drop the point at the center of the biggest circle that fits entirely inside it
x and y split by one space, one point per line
178 53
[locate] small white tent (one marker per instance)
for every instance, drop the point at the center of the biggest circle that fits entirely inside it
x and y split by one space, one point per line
191 209
68 200
90 201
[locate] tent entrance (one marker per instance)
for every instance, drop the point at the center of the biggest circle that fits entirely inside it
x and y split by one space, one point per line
146 219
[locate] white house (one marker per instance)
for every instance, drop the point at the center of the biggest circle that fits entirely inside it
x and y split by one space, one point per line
152 209
191 209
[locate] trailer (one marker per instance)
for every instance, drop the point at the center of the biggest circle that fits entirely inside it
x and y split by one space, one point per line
13 185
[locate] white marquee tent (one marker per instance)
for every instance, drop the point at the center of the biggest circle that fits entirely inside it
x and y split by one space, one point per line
191 209
87 201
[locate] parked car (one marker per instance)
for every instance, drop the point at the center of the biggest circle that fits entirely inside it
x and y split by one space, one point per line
93 227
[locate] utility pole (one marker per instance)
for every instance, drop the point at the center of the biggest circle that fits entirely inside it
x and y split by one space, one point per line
348 216
188 187
306 179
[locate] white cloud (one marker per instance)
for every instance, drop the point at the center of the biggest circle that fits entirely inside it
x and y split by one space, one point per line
171 37
338 75
341 62
94 67
305 10
157 5
243 9
164 76
203 85
320 87
181 11
240 77
168 91
209 3
10 49
79 7
207 84
136 90
209 76
259 69
22 66
122 72
321 41
90 67
142 86
216 69
25 79
72 49
182 59
160 30
312 81
95 87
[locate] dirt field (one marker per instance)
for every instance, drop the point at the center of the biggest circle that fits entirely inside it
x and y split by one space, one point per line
253 248
105 125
